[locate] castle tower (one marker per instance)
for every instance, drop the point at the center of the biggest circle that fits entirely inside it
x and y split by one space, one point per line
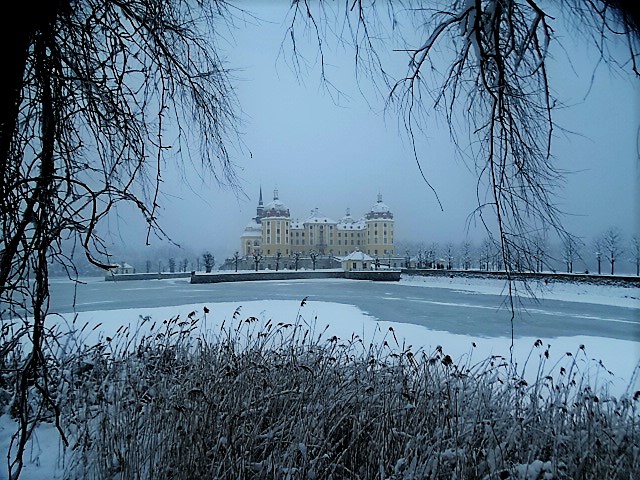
276 222
379 230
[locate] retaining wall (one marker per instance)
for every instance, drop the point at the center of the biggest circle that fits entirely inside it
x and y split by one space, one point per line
624 280
379 275
119 277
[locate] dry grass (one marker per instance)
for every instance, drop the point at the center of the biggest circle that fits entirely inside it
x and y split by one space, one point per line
282 401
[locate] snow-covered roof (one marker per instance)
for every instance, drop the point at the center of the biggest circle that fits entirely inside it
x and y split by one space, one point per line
354 225
276 207
253 229
357 256
123 266
317 217
380 207
347 218
275 204
379 210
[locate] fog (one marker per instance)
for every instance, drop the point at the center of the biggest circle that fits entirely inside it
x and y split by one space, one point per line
333 150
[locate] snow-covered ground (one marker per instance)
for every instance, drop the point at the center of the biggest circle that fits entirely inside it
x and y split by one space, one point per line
344 321
554 290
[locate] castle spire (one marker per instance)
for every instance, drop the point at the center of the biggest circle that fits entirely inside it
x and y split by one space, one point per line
260 208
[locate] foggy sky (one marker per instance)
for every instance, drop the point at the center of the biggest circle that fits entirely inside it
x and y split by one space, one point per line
339 152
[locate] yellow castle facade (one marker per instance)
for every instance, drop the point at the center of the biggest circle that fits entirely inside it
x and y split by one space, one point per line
272 231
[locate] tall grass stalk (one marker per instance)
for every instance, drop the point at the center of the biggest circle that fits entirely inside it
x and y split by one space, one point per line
261 399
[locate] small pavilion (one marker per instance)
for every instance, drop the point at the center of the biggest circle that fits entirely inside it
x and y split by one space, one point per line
357 260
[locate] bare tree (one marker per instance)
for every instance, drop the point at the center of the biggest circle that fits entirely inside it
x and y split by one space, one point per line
296 258
90 89
487 255
172 265
635 251
482 65
570 251
257 258
450 253
465 254
313 255
598 248
209 261
432 254
612 244
539 254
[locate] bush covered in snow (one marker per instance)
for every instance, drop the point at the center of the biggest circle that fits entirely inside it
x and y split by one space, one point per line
266 400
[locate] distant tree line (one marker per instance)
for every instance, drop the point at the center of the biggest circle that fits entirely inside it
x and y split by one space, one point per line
604 253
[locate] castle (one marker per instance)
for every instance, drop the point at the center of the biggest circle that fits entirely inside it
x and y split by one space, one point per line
272 232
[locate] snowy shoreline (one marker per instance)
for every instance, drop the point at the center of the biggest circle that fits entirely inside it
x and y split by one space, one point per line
578 291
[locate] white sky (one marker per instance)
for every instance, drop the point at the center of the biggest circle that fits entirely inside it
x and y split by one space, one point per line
319 154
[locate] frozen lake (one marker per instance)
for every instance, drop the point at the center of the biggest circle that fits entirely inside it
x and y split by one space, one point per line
442 308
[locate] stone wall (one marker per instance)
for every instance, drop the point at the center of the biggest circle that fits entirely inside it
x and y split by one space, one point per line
120 277
624 280
380 275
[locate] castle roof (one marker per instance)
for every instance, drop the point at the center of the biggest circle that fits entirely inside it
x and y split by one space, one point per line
276 208
316 217
379 210
357 256
253 229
